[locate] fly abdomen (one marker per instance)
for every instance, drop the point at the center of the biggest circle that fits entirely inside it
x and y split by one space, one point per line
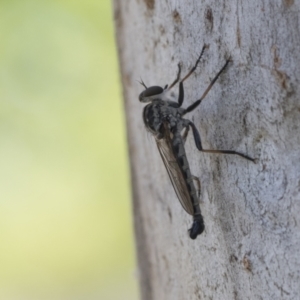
197 227
180 155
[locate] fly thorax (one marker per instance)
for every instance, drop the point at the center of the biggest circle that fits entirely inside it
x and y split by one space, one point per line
170 114
152 117
172 120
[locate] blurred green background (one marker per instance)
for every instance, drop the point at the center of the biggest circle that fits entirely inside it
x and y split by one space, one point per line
65 216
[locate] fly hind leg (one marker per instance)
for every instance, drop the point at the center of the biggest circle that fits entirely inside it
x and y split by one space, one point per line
185 133
198 183
199 146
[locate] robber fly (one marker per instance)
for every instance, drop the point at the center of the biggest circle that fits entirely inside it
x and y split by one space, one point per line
164 119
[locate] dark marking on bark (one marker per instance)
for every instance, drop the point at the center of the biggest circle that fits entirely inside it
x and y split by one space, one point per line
238 35
166 262
276 60
209 19
288 3
166 44
176 16
235 295
162 29
245 127
247 263
198 291
150 4
282 291
170 214
233 258
281 77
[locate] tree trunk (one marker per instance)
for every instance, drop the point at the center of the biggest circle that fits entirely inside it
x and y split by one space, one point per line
250 246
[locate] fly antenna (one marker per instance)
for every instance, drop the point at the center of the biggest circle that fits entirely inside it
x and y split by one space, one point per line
142 83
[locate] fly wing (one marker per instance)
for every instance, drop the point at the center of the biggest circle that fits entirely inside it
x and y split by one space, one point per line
178 181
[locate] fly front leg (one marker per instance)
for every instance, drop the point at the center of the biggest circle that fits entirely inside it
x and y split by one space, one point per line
195 66
199 145
177 77
195 104
181 90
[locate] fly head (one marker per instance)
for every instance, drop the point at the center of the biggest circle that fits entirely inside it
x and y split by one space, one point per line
151 93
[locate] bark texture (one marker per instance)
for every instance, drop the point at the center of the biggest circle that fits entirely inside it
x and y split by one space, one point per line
251 245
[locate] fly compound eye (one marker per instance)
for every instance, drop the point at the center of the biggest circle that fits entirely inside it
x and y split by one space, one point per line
150 92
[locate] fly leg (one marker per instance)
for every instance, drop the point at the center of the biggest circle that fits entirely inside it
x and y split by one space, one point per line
195 178
199 145
194 67
195 104
185 133
181 91
177 77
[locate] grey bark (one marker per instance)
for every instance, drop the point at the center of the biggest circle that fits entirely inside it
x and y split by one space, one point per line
250 247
